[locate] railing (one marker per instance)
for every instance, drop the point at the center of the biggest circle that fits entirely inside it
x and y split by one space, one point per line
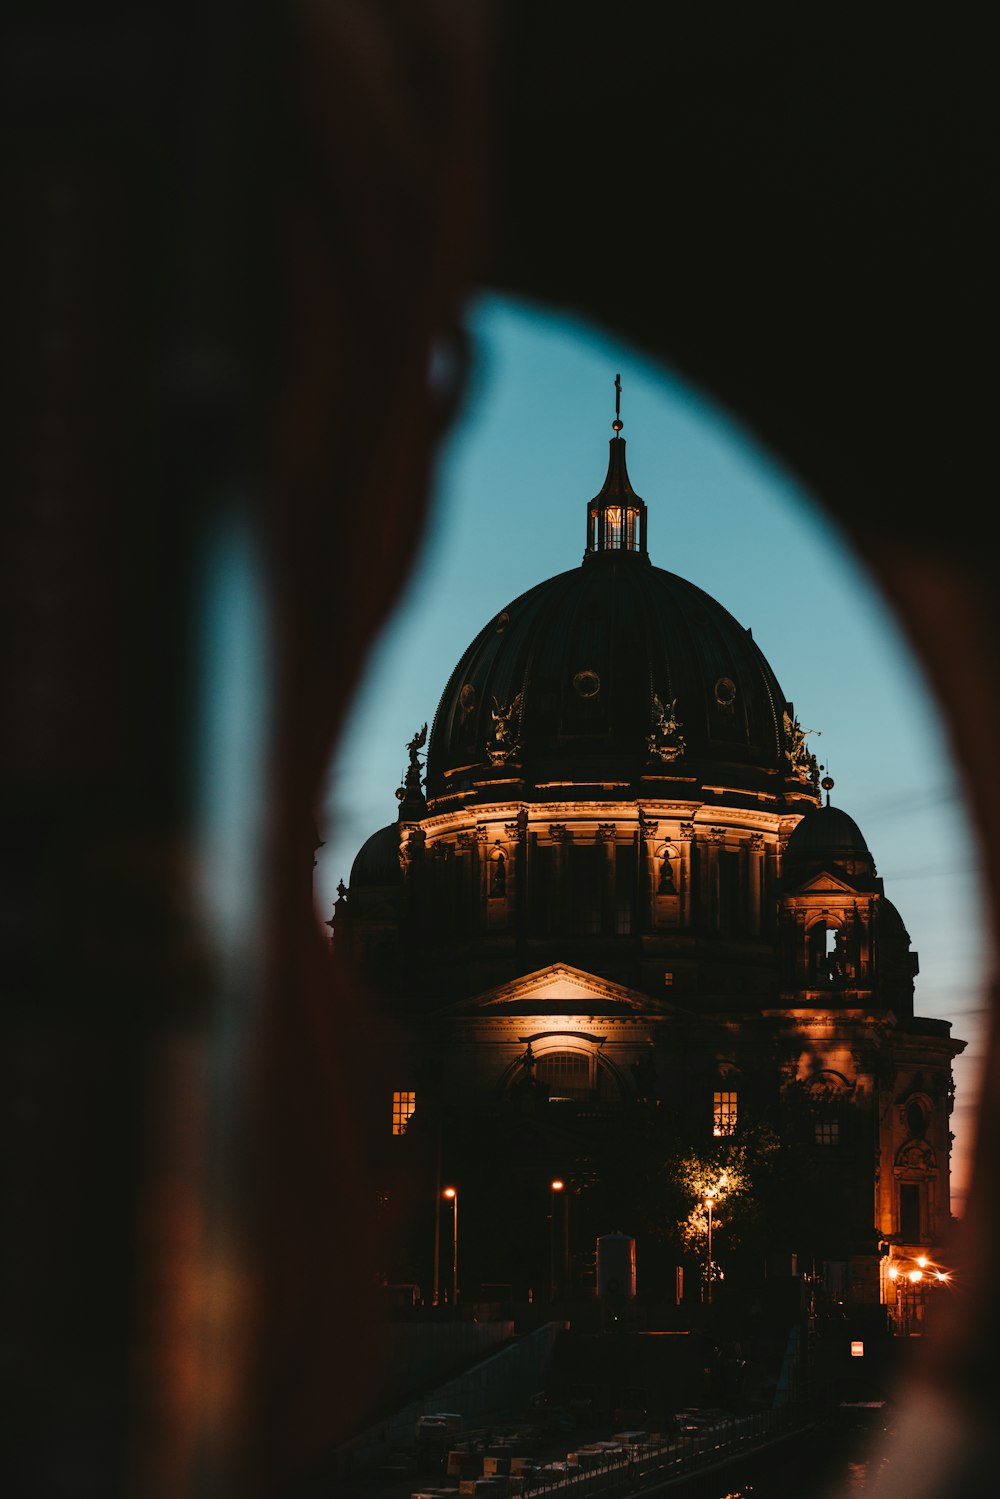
648 1461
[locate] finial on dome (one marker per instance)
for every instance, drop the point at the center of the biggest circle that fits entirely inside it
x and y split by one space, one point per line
616 518
827 784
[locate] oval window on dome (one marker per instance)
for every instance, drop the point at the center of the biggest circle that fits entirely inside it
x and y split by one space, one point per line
587 683
725 691
467 700
503 620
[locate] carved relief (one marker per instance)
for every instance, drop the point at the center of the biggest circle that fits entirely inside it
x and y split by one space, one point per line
516 831
915 1155
687 832
647 827
411 843
756 843
506 743
605 832
666 742
558 833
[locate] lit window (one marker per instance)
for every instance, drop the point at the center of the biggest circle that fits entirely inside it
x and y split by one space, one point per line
403 1105
827 1132
668 980
723 1113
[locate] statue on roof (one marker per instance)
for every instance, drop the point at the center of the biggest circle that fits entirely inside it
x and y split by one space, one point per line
801 763
505 745
666 742
415 744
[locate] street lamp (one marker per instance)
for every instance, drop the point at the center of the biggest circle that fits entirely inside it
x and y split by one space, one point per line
556 1186
911 1286
452 1194
709 1202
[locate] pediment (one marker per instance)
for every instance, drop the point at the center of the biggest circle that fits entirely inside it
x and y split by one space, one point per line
560 989
825 882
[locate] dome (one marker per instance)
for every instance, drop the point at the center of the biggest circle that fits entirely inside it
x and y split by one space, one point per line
615 675
377 860
827 831
827 838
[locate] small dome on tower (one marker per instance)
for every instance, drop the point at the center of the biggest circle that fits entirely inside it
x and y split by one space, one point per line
827 838
377 860
827 830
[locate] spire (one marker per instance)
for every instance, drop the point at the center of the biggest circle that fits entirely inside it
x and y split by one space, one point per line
616 517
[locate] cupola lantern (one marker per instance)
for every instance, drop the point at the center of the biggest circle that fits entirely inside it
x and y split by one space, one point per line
616 517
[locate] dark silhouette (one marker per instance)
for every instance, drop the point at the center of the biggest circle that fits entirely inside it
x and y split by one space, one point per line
237 237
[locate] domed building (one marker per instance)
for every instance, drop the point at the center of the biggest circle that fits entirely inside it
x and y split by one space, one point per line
618 927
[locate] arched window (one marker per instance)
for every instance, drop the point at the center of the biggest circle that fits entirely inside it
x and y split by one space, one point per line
567 1074
825 951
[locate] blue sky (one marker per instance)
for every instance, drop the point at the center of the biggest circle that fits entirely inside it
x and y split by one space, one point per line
528 452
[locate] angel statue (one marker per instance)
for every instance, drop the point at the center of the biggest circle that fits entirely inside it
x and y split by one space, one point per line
666 742
801 763
411 776
505 744
416 743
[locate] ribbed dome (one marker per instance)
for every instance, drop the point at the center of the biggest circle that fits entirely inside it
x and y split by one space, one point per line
827 838
377 860
827 831
616 674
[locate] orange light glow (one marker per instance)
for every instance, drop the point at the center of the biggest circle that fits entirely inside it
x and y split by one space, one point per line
557 1186
916 1275
449 1192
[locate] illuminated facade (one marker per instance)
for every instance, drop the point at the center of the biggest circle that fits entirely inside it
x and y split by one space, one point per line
617 899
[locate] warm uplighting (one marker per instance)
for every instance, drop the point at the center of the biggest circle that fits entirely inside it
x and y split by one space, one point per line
916 1275
557 1186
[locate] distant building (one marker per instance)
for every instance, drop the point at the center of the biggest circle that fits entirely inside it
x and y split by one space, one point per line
618 909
